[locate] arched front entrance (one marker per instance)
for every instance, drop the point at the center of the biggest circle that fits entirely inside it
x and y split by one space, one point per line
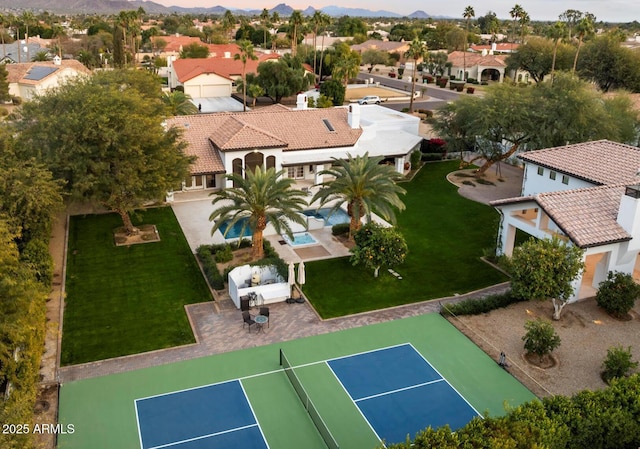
490 75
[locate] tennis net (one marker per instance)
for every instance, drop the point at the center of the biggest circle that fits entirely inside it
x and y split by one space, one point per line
317 420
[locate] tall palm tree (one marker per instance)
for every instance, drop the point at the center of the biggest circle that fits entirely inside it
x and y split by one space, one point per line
584 28
246 54
264 195
295 22
515 13
556 32
468 14
365 185
523 20
417 50
228 23
325 22
264 21
316 21
275 19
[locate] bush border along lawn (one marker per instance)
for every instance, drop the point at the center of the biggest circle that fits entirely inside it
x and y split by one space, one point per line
127 299
446 234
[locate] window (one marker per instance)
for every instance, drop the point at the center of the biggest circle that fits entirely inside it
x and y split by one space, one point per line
540 171
296 172
565 179
211 181
552 175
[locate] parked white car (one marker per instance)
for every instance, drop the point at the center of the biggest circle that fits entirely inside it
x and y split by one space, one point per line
370 99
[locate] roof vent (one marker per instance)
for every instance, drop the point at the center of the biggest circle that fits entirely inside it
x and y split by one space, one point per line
328 124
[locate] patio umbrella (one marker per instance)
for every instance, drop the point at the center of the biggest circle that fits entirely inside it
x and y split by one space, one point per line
301 274
292 274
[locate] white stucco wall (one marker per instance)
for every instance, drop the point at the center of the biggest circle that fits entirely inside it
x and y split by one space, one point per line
533 182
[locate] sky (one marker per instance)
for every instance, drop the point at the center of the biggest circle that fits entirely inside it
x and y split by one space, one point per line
605 10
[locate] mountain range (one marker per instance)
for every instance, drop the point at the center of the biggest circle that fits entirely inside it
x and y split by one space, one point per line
114 6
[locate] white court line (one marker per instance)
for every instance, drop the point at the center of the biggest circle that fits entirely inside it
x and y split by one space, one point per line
254 414
399 390
175 443
135 404
445 379
354 403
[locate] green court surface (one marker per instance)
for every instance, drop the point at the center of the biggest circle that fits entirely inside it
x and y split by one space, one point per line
103 413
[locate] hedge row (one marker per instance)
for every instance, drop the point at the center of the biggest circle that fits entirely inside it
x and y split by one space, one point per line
476 306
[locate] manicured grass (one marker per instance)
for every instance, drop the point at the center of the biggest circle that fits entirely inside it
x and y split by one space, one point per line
446 234
128 299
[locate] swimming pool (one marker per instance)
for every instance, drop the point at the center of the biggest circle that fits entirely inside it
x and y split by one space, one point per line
235 230
339 216
300 239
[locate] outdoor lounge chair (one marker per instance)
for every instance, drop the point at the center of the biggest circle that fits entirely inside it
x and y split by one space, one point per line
247 320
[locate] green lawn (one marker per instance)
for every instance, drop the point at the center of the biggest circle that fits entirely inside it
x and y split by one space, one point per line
128 299
446 234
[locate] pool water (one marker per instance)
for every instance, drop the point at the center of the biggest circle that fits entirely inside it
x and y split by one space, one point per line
300 239
235 230
339 216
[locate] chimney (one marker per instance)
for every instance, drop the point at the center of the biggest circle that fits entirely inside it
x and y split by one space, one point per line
227 54
629 213
353 117
301 102
57 60
494 47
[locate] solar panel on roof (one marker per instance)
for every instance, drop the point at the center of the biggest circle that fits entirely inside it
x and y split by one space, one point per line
39 72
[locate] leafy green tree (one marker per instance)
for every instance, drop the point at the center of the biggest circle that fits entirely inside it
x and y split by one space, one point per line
402 32
377 247
374 56
541 338
194 50
104 136
545 269
365 185
610 65
537 57
618 363
350 26
347 67
228 23
260 196
178 103
334 90
489 23
281 78
417 50
618 294
4 84
324 102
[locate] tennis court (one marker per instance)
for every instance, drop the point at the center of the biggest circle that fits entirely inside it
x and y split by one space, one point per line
343 390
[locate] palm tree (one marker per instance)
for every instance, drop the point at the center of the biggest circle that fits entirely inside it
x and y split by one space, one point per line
264 195
515 13
556 32
295 22
178 103
524 20
325 22
264 20
228 23
417 50
346 67
255 90
317 20
584 28
275 19
468 14
246 54
365 185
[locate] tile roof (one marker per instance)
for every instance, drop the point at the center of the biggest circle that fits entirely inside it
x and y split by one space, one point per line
458 59
229 68
380 45
19 73
587 216
272 127
600 162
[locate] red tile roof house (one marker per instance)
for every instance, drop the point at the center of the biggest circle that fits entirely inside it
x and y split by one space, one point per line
211 77
587 194
301 141
482 67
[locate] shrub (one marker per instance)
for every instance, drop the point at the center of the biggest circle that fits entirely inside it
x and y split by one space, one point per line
472 80
400 72
484 83
541 338
17 101
432 156
224 254
340 229
36 256
211 272
476 306
333 89
617 294
404 110
618 363
415 158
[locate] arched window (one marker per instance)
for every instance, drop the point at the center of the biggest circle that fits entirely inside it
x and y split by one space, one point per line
236 165
271 162
253 160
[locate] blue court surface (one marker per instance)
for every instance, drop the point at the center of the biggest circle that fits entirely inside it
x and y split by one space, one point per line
216 416
399 393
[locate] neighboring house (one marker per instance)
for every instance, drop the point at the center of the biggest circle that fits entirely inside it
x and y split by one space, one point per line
587 194
32 78
17 52
302 141
494 48
388 46
482 67
211 77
